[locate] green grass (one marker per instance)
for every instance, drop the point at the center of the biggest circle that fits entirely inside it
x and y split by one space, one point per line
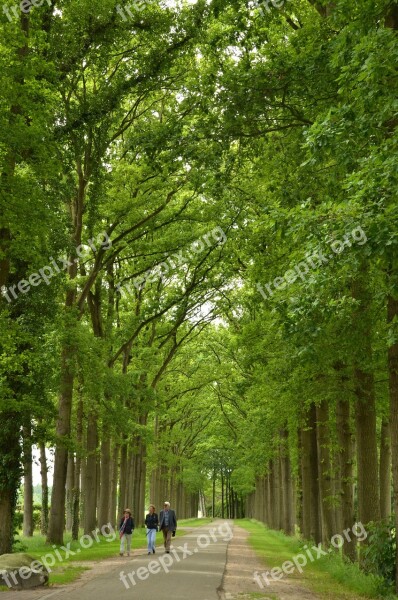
195 522
66 572
329 576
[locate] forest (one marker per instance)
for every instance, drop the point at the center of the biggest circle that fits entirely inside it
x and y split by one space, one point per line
199 264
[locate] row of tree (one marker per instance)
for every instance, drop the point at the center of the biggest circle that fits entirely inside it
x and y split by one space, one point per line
198 249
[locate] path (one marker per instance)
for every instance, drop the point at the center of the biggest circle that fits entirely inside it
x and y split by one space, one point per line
213 562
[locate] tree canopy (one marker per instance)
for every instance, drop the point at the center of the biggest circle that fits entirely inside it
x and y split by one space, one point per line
198 260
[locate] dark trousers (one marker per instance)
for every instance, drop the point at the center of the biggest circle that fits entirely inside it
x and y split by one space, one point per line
167 537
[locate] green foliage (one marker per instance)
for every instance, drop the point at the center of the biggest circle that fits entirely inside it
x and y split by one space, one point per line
379 555
18 545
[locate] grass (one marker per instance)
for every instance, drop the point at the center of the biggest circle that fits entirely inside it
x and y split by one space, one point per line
66 572
256 596
329 576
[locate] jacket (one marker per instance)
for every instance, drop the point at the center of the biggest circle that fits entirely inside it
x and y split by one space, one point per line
172 520
152 521
129 525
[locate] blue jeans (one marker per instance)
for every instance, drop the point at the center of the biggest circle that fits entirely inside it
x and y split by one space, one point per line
151 535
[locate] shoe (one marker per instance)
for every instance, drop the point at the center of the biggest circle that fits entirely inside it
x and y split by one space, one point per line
167 551
148 552
120 553
153 551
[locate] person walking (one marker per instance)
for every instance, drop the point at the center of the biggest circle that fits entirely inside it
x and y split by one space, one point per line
126 528
167 525
151 522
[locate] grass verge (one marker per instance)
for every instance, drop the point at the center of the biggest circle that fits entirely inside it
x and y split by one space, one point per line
329 576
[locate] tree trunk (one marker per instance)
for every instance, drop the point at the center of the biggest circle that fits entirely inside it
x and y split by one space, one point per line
287 517
7 509
139 474
98 480
385 470
316 532
306 476
392 314
10 471
213 509
63 426
130 478
337 493
57 515
346 470
44 489
78 469
367 456
113 489
324 470
122 477
263 499
83 481
268 484
105 492
367 459
90 518
222 495
28 483
70 481
278 491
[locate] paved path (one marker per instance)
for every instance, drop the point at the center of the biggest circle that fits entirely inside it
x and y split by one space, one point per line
213 562
194 569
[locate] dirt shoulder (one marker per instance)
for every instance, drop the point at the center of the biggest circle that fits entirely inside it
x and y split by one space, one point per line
239 583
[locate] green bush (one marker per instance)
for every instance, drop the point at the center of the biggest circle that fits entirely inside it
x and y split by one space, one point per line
378 556
18 519
17 545
36 518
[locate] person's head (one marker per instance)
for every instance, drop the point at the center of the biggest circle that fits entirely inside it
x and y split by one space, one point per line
127 512
151 509
166 505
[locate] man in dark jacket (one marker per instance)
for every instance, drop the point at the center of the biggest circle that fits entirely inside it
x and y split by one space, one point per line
167 525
